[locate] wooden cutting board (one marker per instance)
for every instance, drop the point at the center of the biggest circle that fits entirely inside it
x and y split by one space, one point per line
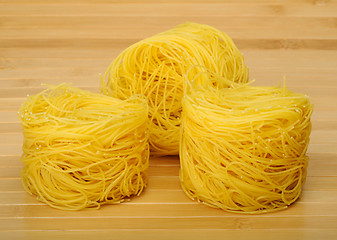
48 41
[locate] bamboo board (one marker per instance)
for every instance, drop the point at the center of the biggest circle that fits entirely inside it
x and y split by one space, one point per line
73 41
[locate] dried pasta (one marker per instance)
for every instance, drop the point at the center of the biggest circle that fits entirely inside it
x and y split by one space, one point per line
155 67
243 149
83 149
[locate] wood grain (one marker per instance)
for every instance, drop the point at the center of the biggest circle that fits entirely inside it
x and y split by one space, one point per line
46 41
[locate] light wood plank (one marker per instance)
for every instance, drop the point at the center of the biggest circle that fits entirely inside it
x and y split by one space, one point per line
212 223
157 211
251 2
236 27
165 234
249 29
169 8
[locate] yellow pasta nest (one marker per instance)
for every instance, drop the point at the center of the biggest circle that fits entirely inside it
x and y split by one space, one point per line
244 149
155 67
83 149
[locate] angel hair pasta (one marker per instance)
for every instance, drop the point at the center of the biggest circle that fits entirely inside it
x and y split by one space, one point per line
155 68
83 149
244 149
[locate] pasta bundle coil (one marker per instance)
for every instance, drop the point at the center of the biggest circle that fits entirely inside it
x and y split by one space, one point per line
155 67
83 149
244 149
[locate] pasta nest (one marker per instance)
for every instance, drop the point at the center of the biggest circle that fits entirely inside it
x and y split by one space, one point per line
83 149
243 149
156 66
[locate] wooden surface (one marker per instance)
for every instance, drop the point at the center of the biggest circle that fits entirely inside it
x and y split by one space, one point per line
73 41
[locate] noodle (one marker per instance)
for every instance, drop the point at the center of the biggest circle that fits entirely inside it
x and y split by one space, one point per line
243 149
155 67
83 149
